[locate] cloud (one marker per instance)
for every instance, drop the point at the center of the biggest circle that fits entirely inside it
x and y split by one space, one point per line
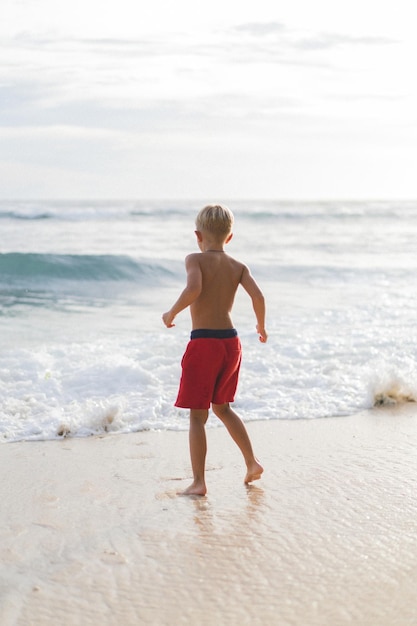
156 80
251 72
327 41
261 29
291 38
43 44
130 70
55 131
117 99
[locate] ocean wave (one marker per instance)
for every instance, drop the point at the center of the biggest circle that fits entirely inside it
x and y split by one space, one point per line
75 211
252 210
16 215
42 270
21 267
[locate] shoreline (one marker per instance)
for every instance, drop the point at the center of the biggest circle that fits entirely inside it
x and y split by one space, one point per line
93 531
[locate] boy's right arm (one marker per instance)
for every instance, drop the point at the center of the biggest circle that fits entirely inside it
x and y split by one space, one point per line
258 302
190 293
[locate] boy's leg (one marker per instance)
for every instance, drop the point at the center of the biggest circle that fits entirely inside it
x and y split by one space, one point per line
198 450
239 434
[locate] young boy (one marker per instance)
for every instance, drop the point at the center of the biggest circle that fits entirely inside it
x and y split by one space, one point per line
210 365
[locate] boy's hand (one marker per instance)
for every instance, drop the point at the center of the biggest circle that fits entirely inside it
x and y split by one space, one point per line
168 319
263 335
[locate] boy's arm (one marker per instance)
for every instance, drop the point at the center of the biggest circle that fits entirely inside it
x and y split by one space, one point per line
258 302
191 291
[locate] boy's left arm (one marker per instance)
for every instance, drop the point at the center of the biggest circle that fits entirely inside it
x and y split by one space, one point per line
190 293
258 302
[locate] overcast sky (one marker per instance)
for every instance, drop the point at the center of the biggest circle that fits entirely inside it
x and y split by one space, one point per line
222 99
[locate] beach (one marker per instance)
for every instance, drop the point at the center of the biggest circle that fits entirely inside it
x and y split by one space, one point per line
93 531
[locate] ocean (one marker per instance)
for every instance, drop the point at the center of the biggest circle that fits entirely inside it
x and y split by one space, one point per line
83 286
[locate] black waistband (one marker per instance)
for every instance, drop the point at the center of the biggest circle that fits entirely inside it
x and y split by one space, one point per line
213 333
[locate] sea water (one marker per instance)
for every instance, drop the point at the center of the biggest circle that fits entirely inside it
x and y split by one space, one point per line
83 285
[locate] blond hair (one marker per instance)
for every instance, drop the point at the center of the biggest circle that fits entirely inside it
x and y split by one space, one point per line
215 219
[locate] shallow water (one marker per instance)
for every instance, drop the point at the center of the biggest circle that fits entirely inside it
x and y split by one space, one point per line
83 286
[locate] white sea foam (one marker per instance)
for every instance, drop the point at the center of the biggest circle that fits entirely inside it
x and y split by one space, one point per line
82 389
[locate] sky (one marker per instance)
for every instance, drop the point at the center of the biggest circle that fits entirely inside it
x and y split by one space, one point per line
290 99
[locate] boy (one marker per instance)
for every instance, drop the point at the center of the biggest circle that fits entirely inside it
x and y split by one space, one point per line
210 366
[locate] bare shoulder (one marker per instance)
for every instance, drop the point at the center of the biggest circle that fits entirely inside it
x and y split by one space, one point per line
238 268
248 282
234 262
245 271
192 259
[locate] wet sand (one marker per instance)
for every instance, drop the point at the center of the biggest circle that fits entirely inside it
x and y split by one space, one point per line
93 532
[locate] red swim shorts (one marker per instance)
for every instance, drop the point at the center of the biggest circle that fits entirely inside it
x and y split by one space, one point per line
210 371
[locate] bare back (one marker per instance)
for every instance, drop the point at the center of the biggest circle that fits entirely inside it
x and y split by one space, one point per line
220 278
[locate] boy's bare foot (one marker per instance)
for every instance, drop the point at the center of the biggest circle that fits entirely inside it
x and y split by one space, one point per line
195 489
254 472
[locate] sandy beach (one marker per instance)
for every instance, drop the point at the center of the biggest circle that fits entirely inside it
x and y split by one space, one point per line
93 532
